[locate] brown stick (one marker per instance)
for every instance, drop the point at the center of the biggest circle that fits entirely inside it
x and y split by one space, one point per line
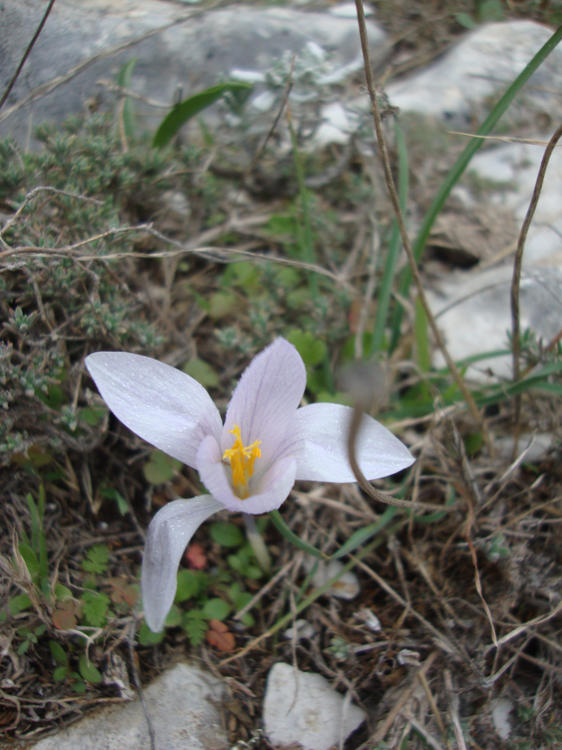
12 83
517 264
402 226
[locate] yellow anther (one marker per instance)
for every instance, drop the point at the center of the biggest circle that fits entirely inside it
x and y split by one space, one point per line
242 459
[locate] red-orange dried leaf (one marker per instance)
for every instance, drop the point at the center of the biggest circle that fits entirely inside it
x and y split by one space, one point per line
195 557
221 641
218 626
64 620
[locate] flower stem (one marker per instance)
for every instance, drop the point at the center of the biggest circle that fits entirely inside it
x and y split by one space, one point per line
258 545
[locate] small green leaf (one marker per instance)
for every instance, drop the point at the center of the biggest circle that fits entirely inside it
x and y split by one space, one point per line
77 683
173 618
59 654
226 534
96 559
111 494
88 671
465 20
184 111
95 608
92 415
19 603
312 350
202 372
62 592
195 626
216 609
147 637
23 647
190 584
60 673
222 304
160 468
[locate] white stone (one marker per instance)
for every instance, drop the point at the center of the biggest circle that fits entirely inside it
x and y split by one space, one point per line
302 629
190 55
473 312
335 115
300 707
182 705
348 10
346 587
264 102
326 134
500 716
459 85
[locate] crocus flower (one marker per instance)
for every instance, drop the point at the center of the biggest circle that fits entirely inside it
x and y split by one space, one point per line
250 463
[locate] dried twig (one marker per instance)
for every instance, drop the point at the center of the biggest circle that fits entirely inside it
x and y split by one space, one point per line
402 226
35 37
517 264
454 710
383 729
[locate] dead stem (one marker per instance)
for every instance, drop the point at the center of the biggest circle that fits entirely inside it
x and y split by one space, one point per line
404 233
516 281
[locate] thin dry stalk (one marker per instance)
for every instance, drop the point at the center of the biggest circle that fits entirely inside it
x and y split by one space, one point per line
516 282
382 731
30 46
454 710
402 226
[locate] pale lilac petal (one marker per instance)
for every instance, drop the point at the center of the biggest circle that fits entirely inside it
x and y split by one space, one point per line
321 430
168 535
268 489
162 405
266 398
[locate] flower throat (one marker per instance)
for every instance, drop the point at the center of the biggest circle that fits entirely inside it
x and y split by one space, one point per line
242 459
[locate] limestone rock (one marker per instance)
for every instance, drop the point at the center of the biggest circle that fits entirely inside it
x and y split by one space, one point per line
181 704
457 87
178 48
300 707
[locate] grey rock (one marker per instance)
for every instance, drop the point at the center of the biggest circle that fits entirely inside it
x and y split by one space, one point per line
473 312
300 707
177 48
182 705
535 447
517 166
346 587
457 88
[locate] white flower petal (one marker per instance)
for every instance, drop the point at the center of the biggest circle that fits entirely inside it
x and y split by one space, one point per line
322 430
168 535
162 405
266 398
267 491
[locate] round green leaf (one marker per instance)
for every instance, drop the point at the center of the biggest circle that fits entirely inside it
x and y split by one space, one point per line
88 671
226 534
59 654
216 609
202 372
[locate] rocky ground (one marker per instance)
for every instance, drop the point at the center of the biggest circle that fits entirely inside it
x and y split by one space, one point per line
440 629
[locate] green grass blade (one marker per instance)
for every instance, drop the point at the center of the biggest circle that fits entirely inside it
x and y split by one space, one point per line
363 535
35 523
124 80
462 162
282 527
305 239
187 109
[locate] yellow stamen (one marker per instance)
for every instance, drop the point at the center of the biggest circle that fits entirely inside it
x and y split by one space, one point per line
242 461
